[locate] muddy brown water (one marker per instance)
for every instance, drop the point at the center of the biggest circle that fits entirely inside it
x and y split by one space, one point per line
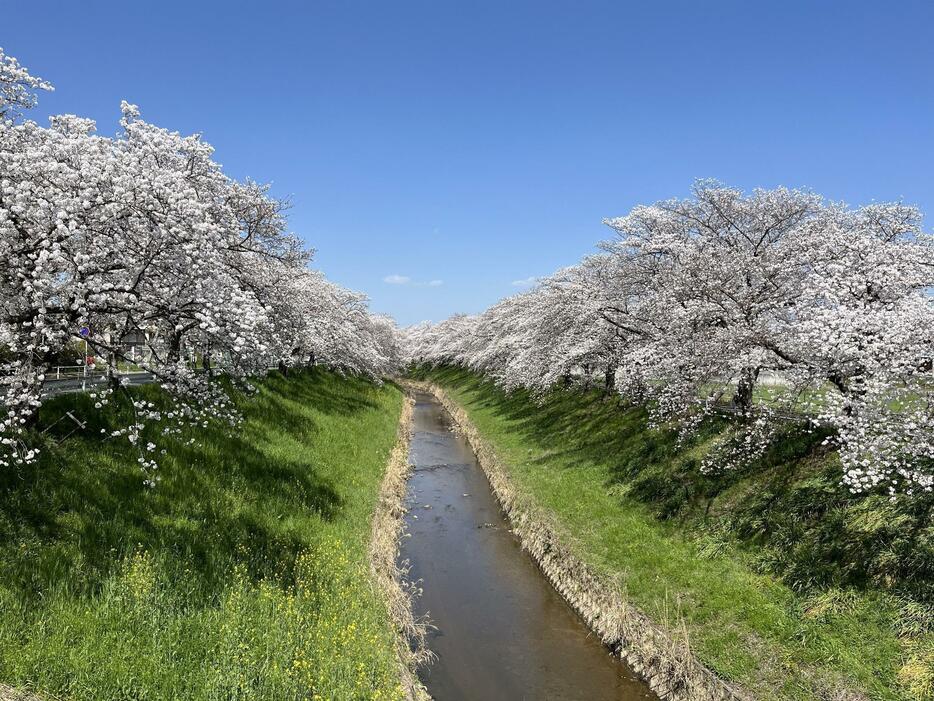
500 631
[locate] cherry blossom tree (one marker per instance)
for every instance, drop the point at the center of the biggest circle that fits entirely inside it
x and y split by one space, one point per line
695 300
17 87
144 234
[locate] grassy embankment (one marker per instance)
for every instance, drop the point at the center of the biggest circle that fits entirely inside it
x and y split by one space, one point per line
243 574
784 582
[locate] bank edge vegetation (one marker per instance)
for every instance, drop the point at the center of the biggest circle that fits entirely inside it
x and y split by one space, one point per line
686 312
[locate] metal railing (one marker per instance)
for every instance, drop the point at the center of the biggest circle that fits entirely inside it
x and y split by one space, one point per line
80 378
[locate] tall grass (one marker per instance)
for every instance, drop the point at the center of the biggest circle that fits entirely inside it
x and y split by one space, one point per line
783 581
242 575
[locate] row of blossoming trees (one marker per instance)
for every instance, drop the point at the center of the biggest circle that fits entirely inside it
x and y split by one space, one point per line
695 304
142 234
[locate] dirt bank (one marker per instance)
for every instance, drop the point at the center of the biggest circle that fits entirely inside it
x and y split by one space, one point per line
384 545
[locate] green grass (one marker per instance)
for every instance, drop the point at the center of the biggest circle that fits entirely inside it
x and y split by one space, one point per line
784 582
243 574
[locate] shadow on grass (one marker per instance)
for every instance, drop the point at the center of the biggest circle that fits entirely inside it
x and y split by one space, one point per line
232 495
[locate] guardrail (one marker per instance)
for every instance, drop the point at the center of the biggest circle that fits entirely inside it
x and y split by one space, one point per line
77 378
60 371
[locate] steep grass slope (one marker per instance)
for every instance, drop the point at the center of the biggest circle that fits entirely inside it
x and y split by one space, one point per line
243 574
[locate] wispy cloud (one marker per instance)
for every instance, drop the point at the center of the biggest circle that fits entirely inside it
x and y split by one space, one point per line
406 280
526 282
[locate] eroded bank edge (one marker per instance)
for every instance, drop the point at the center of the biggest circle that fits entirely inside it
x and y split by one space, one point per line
8 693
661 658
384 547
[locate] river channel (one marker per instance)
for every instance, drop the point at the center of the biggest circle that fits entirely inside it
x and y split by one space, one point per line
499 629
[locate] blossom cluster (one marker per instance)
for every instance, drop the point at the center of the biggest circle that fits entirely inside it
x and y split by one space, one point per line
143 236
725 299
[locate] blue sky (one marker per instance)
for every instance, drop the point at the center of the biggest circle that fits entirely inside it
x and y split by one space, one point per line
453 148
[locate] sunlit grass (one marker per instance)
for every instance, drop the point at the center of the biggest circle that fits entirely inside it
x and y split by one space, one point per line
242 575
784 582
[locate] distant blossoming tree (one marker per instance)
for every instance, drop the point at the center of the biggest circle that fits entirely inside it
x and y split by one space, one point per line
694 301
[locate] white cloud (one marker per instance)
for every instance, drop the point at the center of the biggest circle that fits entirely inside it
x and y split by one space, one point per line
406 280
527 282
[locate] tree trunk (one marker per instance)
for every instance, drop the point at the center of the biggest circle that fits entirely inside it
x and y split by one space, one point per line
609 378
742 400
283 368
175 347
850 387
206 360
